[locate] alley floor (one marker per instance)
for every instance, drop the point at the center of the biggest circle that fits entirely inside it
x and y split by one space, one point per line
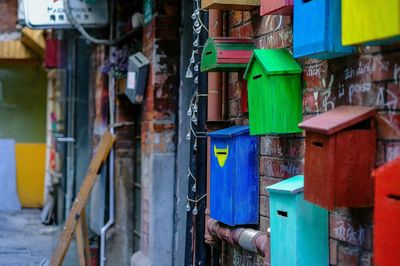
24 240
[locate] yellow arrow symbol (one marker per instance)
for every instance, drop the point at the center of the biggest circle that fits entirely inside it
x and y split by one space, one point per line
221 154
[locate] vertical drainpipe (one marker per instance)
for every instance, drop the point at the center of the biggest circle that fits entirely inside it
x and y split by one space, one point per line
214 107
110 222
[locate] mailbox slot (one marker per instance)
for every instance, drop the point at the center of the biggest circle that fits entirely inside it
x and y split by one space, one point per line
234 181
274 92
340 154
226 54
387 214
296 225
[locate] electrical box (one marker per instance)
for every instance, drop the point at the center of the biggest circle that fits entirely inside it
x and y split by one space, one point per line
240 5
317 29
299 229
226 54
234 180
276 7
371 22
340 156
136 81
274 92
387 214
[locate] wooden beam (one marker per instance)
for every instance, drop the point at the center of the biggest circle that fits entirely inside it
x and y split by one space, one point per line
103 149
34 40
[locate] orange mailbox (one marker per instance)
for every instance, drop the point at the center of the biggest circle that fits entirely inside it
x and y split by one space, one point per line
340 156
387 214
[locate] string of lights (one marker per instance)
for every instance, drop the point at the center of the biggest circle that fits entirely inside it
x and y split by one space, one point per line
192 72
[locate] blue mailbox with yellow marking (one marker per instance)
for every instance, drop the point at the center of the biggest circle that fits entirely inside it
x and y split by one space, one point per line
299 229
234 186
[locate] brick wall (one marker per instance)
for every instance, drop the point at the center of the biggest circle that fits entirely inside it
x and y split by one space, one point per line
369 78
8 15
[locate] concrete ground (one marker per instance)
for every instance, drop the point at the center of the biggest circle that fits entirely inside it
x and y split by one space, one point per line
25 241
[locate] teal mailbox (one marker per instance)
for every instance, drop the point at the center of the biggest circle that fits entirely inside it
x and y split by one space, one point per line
299 229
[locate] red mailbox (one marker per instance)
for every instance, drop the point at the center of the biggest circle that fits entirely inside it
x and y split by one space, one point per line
276 7
387 214
340 156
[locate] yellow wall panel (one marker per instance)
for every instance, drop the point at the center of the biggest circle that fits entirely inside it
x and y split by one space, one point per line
369 20
30 173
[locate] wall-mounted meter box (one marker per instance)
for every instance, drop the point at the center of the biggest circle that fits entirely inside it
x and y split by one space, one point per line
45 14
136 81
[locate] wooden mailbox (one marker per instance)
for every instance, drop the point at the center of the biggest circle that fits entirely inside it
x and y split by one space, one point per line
240 5
369 21
274 92
387 214
340 156
136 82
299 229
226 54
276 7
317 29
234 184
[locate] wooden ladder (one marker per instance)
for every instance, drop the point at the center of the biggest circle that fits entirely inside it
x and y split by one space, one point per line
76 220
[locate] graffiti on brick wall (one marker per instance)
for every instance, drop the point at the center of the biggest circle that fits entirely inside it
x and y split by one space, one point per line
245 258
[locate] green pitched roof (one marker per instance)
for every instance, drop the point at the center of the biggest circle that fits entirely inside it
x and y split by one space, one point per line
274 61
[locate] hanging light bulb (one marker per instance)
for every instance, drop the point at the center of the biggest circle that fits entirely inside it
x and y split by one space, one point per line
192 60
195 145
196 23
194 210
188 206
188 138
194 187
197 12
193 16
196 42
196 68
195 109
196 80
189 73
189 111
198 29
194 118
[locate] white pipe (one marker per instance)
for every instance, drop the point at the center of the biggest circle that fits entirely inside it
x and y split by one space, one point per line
111 219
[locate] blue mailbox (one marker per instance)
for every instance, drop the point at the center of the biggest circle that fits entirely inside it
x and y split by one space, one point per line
234 190
299 229
317 30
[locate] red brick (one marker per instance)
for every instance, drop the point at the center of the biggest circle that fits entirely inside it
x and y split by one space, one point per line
264 224
380 153
280 168
366 259
343 229
265 182
312 101
348 256
268 24
264 206
388 126
313 74
333 246
281 147
392 151
8 15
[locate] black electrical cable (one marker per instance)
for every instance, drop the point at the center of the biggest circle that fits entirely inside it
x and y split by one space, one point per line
87 36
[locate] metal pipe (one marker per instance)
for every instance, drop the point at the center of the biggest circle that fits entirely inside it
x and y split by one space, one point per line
111 218
214 105
249 239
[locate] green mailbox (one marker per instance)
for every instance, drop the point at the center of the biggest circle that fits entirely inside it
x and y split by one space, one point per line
274 92
226 54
